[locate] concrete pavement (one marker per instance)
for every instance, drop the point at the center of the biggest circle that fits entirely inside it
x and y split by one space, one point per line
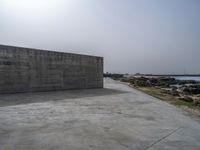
116 117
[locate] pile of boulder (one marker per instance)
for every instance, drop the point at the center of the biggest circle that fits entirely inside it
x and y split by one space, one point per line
186 90
150 82
189 89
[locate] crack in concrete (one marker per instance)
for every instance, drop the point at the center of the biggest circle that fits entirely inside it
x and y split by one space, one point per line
159 140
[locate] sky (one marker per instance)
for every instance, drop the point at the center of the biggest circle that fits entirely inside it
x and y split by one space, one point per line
133 36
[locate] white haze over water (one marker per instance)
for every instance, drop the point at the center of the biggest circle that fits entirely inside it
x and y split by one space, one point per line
146 36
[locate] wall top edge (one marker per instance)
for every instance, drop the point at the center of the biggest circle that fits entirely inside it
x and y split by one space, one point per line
44 50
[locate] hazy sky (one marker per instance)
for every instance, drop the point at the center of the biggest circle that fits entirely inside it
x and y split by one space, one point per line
146 36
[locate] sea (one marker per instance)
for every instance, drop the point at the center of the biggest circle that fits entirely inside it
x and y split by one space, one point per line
196 78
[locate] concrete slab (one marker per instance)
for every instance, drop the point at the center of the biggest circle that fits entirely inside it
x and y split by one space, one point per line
117 117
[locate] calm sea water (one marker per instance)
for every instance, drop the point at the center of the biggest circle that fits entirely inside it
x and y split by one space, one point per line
188 78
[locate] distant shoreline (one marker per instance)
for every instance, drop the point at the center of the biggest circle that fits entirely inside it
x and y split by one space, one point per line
150 75
174 75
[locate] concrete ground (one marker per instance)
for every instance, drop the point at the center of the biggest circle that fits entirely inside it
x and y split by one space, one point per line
115 118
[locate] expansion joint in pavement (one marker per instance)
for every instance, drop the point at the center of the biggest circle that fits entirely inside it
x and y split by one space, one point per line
161 139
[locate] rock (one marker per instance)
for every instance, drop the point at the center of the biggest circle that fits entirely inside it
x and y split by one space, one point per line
184 90
163 82
198 95
195 89
190 89
196 101
171 91
174 92
186 98
132 80
124 80
165 90
159 81
142 82
174 88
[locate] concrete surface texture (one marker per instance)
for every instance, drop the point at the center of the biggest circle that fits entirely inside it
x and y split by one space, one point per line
114 118
25 70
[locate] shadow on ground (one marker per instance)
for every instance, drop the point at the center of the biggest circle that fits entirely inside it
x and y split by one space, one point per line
25 98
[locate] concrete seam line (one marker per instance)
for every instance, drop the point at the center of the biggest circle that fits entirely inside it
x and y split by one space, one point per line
159 140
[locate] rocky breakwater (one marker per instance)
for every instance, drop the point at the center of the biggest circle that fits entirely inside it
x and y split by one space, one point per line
184 90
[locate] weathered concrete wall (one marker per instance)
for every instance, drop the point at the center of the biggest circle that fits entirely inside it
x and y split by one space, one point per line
28 70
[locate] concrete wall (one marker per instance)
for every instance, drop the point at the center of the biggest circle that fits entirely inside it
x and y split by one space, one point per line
28 70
